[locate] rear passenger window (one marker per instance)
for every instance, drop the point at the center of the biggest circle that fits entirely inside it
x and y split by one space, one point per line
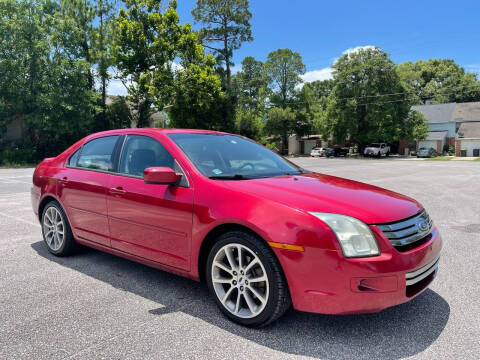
98 153
141 152
73 159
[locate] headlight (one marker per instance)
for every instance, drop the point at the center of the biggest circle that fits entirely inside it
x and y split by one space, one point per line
354 236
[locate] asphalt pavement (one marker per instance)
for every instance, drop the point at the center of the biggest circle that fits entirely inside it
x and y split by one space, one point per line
98 306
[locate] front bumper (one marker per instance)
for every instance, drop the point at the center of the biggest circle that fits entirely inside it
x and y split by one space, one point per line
324 281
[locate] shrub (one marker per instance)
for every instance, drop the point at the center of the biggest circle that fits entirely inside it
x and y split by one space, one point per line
17 153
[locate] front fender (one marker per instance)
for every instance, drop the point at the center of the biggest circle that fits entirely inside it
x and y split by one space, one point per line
272 221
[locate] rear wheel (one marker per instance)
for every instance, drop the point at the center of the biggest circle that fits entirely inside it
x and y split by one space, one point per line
246 279
56 230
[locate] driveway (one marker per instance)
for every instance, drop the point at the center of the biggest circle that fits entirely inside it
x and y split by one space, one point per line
96 305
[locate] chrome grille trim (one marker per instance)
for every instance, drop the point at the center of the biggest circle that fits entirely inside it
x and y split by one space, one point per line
420 274
407 231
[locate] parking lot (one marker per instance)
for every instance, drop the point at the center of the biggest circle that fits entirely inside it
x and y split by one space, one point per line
94 305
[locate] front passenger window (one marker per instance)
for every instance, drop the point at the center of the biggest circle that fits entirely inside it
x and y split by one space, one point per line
141 152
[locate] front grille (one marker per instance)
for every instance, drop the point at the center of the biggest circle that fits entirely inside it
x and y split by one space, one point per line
409 233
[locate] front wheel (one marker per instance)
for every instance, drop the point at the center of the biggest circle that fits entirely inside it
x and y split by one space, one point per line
246 279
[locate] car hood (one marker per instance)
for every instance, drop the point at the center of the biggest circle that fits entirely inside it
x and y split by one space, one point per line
325 193
371 148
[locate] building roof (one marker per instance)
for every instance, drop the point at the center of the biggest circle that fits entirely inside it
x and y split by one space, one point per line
450 112
467 112
469 130
312 137
436 135
436 113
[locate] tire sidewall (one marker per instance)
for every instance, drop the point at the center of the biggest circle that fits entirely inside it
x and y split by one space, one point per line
67 232
272 291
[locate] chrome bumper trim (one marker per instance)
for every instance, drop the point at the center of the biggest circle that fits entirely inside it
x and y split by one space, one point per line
420 274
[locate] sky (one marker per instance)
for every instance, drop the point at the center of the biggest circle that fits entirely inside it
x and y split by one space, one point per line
322 31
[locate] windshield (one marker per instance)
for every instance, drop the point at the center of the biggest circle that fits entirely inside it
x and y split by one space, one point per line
374 145
227 156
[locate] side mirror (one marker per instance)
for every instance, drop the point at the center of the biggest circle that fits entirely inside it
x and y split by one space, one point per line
160 175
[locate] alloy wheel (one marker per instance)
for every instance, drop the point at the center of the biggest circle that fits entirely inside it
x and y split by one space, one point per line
240 280
53 228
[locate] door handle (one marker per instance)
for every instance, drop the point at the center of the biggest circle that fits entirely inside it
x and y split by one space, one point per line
117 191
63 181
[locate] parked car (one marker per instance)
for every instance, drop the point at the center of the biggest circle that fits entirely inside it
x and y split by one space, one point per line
263 233
377 149
424 152
318 151
336 152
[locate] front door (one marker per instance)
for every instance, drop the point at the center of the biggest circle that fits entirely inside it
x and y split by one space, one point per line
151 221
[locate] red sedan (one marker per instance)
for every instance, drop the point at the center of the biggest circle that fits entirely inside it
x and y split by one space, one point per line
263 233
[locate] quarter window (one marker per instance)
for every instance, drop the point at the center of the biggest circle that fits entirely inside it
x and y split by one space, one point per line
73 159
141 152
98 154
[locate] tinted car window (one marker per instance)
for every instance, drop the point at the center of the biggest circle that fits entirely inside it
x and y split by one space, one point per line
141 152
73 159
97 154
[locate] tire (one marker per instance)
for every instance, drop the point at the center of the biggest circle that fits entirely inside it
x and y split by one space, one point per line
387 154
241 304
54 223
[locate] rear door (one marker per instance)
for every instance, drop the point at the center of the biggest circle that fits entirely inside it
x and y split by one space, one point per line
151 221
83 189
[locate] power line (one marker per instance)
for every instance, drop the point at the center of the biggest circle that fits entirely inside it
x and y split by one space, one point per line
439 92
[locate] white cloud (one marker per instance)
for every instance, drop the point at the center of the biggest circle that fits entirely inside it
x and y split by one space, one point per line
115 87
357 49
327 72
322 74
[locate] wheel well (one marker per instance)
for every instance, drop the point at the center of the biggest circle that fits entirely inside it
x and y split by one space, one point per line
44 202
211 238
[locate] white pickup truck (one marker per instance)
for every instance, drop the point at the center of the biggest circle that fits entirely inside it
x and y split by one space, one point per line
377 149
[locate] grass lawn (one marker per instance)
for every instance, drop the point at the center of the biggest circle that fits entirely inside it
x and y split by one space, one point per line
440 158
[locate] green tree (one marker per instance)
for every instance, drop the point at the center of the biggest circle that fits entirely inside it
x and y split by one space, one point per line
416 126
118 113
283 68
150 39
250 85
440 81
281 122
313 99
226 27
361 109
145 49
307 109
103 35
249 123
197 98
45 81
75 18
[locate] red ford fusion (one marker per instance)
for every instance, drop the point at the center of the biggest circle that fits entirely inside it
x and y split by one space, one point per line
263 233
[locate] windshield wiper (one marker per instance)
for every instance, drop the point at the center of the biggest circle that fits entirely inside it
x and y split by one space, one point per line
228 177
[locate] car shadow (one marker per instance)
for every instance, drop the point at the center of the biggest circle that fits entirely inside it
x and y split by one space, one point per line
394 333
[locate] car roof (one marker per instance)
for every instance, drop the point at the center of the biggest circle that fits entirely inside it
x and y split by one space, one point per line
155 131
